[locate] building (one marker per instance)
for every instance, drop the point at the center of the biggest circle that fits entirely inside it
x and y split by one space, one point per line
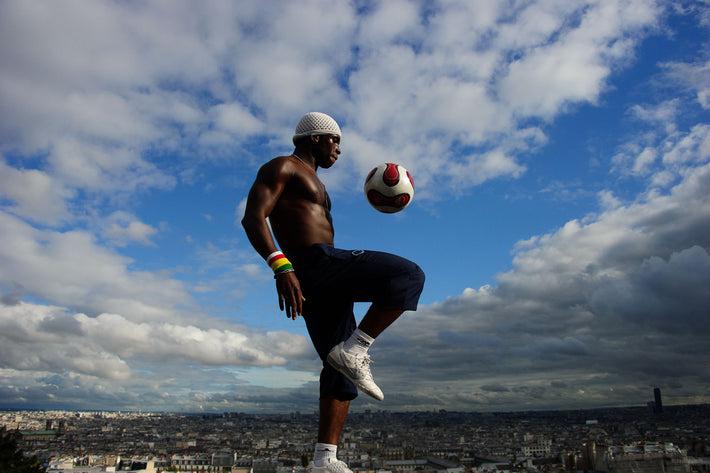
36 435
538 448
424 465
648 458
658 406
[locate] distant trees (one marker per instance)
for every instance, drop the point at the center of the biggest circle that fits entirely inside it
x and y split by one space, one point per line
12 460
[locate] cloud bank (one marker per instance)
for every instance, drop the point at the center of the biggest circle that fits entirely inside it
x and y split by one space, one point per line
109 106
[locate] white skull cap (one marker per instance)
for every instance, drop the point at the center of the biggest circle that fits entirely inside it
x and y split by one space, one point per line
316 123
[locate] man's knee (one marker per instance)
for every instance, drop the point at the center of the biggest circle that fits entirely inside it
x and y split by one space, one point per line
412 287
418 277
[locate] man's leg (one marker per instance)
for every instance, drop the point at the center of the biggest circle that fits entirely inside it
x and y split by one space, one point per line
350 357
377 320
333 413
388 281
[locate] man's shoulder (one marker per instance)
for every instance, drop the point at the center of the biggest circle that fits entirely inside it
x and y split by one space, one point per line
277 165
282 159
279 162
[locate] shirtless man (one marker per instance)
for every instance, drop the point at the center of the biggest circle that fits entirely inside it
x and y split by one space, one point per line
320 282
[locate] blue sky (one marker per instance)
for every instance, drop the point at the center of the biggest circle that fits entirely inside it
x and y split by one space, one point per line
561 156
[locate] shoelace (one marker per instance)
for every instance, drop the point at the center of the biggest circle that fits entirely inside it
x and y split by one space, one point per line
363 362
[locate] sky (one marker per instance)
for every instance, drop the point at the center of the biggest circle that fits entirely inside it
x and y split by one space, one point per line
561 158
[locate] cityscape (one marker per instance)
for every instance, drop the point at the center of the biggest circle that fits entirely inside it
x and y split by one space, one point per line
643 439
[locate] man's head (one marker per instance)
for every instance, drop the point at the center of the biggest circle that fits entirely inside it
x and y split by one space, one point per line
316 123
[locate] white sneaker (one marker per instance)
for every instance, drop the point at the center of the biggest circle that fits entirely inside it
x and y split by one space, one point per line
356 369
335 466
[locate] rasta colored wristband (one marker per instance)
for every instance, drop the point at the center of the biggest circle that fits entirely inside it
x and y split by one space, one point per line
279 263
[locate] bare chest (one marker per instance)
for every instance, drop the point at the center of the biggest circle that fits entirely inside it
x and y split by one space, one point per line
309 188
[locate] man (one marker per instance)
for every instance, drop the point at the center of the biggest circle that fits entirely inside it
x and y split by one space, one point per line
320 282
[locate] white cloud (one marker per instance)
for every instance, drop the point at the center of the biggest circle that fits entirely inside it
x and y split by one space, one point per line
236 119
34 194
692 147
122 228
71 269
695 75
663 114
268 63
663 157
467 79
608 200
453 73
574 68
391 21
210 347
79 70
39 338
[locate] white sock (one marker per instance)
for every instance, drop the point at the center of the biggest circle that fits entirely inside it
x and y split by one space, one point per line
358 343
324 453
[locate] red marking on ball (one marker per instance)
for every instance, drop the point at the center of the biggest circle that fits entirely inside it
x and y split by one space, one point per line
396 201
391 175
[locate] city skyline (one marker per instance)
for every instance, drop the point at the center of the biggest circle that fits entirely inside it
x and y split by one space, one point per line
561 158
589 439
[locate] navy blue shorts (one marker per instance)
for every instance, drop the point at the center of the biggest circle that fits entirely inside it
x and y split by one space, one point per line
332 280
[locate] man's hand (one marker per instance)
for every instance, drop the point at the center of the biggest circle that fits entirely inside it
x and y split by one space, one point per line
290 295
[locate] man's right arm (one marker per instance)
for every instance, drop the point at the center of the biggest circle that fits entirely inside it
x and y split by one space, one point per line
263 197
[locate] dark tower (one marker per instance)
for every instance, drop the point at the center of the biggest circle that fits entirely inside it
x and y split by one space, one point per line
658 406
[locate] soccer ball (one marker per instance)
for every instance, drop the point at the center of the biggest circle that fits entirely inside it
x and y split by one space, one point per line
389 188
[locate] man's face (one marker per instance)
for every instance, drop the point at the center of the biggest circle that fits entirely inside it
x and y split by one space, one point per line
326 150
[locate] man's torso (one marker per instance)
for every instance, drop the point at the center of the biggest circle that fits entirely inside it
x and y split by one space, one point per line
302 216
